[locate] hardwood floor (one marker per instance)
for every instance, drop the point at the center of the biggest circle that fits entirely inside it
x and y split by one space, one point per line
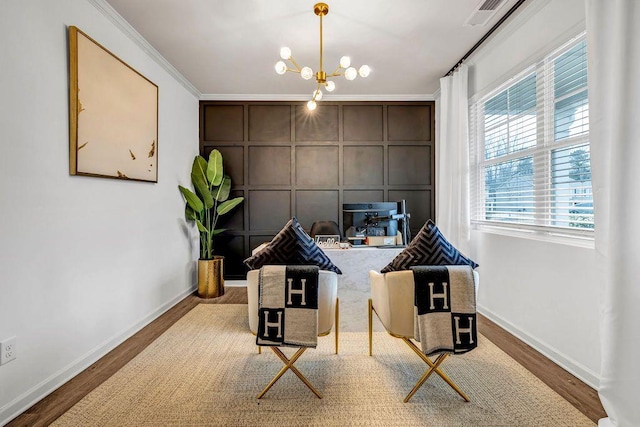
58 402
579 394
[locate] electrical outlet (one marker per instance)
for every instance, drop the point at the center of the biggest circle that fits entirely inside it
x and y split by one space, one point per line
7 350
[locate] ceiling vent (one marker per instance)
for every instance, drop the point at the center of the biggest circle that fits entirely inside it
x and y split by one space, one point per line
485 10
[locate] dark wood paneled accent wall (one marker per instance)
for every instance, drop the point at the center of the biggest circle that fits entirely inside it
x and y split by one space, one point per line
287 161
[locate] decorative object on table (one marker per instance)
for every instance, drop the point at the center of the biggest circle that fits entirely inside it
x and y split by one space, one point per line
204 207
291 246
344 68
331 241
113 115
429 247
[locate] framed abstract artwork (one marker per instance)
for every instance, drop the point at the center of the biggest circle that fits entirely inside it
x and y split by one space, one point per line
113 115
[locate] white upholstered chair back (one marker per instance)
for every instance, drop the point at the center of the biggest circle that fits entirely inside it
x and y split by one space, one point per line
392 297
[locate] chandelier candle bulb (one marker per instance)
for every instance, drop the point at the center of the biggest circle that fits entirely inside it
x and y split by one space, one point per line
281 67
306 73
322 78
350 74
285 53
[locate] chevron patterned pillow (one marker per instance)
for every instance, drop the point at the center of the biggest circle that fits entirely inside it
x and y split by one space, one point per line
292 246
429 247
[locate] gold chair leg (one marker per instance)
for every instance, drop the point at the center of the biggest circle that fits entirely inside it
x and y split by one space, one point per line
259 349
289 365
431 364
337 322
426 375
370 327
295 370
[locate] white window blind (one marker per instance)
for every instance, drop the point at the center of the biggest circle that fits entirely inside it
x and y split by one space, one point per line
530 148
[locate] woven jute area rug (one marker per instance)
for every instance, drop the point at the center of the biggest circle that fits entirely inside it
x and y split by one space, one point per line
205 371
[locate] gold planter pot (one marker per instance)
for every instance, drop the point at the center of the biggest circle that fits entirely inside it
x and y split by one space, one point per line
211 277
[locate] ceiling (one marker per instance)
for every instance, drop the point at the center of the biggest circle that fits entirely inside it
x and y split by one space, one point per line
228 49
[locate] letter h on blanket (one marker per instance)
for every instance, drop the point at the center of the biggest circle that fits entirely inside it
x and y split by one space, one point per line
288 314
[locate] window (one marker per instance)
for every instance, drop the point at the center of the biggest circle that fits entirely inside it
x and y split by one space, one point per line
530 153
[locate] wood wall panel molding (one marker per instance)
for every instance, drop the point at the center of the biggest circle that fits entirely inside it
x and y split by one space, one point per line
317 166
289 162
321 124
269 209
362 196
362 122
314 205
223 123
363 165
410 122
410 165
269 165
270 123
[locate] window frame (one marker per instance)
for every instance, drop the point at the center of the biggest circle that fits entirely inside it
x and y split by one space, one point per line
541 153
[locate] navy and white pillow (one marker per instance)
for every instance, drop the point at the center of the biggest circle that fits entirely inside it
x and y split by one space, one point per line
429 247
292 246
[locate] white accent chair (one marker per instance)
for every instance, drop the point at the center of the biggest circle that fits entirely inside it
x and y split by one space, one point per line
328 316
392 300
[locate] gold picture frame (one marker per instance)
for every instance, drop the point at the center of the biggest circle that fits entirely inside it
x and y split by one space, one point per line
113 115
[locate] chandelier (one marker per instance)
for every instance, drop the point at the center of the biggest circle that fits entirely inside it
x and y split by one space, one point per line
344 68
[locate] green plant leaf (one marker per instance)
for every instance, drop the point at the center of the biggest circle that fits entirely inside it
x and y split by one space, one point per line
189 213
201 227
214 168
199 179
193 201
203 190
199 168
225 207
218 231
222 192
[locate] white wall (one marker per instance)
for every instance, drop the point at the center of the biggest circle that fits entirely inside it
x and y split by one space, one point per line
84 262
545 293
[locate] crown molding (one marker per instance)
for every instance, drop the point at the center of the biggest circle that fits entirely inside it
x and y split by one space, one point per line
305 97
108 11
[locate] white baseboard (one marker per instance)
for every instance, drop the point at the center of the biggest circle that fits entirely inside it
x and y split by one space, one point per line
23 402
235 283
577 369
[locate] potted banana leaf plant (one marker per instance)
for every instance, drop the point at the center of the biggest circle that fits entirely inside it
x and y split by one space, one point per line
205 206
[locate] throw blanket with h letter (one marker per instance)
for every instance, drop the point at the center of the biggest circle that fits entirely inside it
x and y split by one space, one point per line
445 307
288 306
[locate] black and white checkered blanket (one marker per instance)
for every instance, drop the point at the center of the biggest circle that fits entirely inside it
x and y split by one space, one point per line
445 307
288 306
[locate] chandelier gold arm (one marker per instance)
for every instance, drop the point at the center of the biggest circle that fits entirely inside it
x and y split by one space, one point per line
321 77
298 69
321 9
315 93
